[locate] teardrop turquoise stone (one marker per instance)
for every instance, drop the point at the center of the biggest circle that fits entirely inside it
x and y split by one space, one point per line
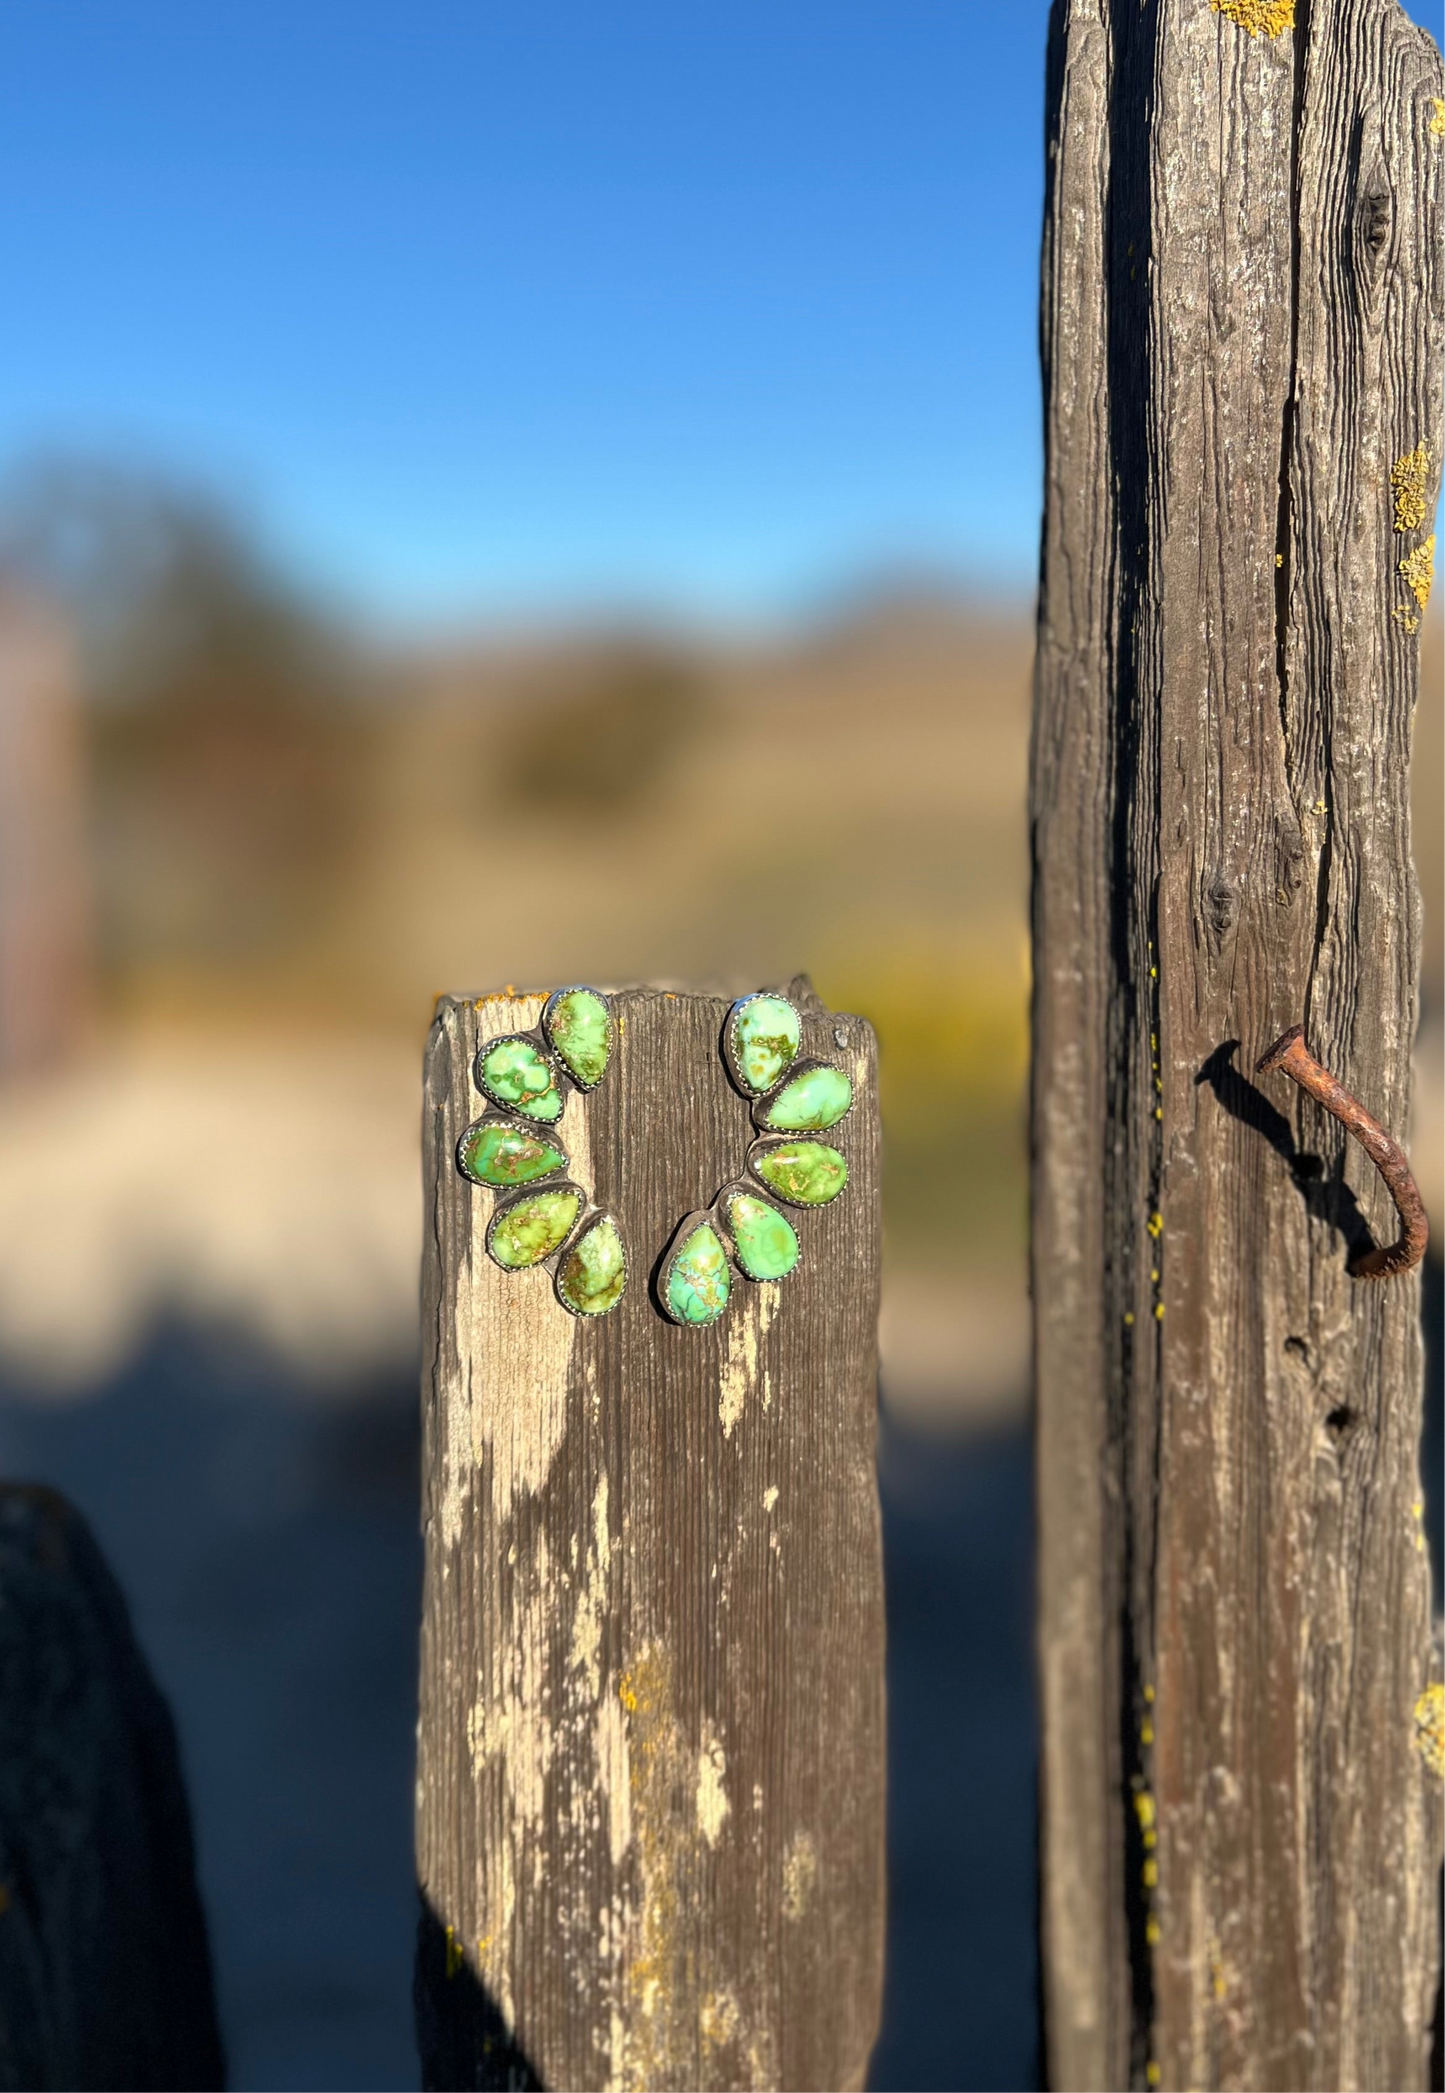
594 1271
515 1073
765 1031
579 1026
806 1172
763 1238
531 1229
810 1102
698 1278
493 1153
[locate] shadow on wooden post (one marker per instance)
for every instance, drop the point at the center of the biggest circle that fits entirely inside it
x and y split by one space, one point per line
1242 345
105 1974
650 1784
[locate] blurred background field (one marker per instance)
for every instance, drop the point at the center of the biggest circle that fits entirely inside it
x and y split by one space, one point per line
271 844
249 847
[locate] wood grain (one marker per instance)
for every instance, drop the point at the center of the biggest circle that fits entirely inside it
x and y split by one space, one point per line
650 1780
1242 334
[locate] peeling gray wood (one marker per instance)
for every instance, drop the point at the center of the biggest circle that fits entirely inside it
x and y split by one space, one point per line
1242 342
105 1973
650 1779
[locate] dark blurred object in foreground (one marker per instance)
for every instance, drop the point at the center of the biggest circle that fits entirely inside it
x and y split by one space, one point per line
105 1973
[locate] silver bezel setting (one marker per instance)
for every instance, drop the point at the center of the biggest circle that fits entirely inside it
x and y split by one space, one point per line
533 1039
518 1123
760 1147
698 1218
585 1225
801 1067
730 1053
514 1199
554 1052
745 1188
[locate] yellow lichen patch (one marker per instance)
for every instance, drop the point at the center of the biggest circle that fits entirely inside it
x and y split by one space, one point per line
1151 1931
1430 1727
1259 17
1149 1874
1437 117
659 1988
1156 1226
1406 618
1418 570
454 1952
1410 478
510 994
1144 1809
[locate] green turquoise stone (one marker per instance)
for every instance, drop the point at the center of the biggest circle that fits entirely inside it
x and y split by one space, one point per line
579 1025
805 1172
530 1229
698 1278
493 1153
763 1238
810 1102
594 1271
516 1073
764 1034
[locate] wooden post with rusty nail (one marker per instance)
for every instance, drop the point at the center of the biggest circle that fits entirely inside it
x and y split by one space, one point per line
1242 343
650 1779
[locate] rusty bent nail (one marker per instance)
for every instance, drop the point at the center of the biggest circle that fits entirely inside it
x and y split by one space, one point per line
1293 1058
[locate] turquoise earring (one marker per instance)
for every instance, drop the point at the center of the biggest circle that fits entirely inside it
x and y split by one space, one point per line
545 1218
791 1100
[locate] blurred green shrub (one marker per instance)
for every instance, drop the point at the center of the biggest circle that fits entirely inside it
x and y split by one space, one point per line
600 745
953 1043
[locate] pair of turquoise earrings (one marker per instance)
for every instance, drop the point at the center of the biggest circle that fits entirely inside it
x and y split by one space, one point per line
548 1219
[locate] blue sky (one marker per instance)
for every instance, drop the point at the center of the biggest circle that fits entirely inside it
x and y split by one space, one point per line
530 303
513 307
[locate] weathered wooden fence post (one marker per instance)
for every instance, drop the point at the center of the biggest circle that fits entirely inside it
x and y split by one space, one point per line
650 1781
1241 331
